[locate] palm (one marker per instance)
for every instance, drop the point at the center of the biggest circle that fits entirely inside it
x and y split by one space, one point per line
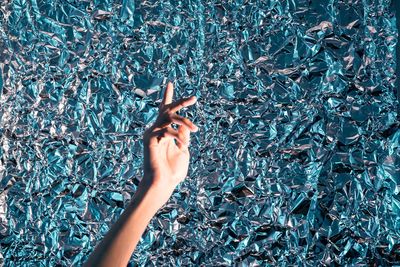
168 161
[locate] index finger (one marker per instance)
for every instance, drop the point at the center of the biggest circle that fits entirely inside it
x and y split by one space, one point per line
169 93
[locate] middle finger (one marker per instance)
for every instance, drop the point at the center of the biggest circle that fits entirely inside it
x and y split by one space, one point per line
182 103
184 121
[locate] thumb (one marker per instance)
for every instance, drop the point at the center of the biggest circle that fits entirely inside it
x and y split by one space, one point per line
184 134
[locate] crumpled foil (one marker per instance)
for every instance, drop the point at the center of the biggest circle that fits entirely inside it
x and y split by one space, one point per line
297 158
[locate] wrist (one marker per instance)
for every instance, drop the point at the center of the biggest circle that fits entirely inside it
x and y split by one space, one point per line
160 193
159 182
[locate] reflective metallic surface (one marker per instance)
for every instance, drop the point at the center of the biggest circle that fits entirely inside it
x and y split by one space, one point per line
296 161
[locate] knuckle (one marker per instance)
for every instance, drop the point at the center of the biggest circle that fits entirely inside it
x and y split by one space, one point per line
168 112
164 106
180 105
178 117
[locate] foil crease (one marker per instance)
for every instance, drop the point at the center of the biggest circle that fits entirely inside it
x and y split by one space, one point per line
296 161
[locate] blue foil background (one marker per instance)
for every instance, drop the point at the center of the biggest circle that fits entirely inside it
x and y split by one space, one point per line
297 158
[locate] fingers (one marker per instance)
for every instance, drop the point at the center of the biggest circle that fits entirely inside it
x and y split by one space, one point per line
168 95
156 136
184 102
184 121
167 116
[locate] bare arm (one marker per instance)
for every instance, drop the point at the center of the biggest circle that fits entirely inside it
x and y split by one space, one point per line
165 166
120 242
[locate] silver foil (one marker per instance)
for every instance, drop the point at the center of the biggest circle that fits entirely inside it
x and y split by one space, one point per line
297 158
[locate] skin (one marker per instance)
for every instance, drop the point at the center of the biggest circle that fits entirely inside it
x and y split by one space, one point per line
165 166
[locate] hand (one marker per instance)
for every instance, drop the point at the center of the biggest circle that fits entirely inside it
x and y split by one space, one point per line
165 166
166 162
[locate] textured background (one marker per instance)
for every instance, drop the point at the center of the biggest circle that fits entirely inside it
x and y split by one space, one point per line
296 161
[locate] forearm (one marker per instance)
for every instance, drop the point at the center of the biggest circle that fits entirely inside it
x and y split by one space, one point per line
119 243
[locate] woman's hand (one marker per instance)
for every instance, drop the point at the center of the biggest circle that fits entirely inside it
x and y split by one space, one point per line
166 163
165 166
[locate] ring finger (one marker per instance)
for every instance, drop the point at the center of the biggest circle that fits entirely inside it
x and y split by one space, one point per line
184 121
